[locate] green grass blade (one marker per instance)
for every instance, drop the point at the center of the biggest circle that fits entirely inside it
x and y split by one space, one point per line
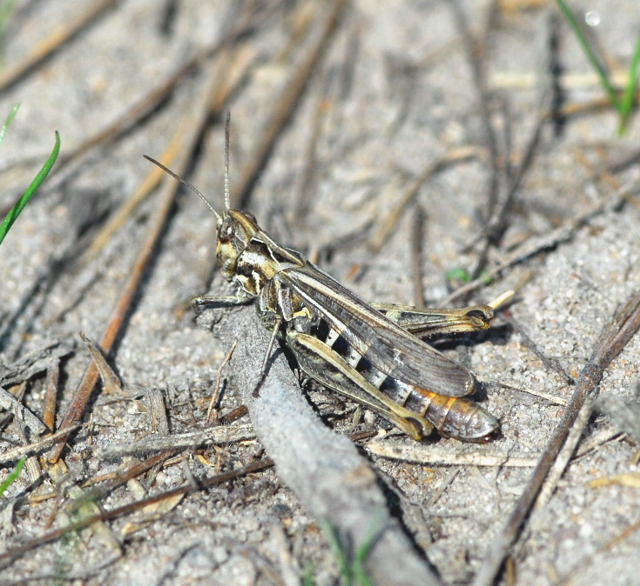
593 60
8 121
363 552
352 573
628 99
14 212
6 10
342 557
13 475
458 274
307 577
359 573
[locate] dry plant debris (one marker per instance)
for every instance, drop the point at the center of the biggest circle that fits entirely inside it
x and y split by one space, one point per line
396 146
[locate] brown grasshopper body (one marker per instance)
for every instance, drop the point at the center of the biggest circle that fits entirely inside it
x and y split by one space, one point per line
366 352
353 347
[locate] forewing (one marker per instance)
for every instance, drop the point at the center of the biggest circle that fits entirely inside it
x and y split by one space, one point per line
385 344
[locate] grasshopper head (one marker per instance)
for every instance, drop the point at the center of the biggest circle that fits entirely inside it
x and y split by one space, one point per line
235 231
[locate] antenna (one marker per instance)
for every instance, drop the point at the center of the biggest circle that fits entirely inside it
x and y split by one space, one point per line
227 134
193 188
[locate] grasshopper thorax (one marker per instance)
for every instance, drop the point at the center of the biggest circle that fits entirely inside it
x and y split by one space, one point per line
248 255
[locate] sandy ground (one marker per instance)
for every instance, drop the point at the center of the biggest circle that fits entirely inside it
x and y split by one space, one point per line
391 100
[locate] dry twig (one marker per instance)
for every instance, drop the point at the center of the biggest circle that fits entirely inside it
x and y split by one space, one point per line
156 229
218 435
610 343
381 235
18 551
324 469
425 453
36 447
46 48
534 246
284 108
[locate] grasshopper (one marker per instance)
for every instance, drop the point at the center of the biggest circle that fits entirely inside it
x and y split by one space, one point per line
370 353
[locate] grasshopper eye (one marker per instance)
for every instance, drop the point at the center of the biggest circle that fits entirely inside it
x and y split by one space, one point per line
226 232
